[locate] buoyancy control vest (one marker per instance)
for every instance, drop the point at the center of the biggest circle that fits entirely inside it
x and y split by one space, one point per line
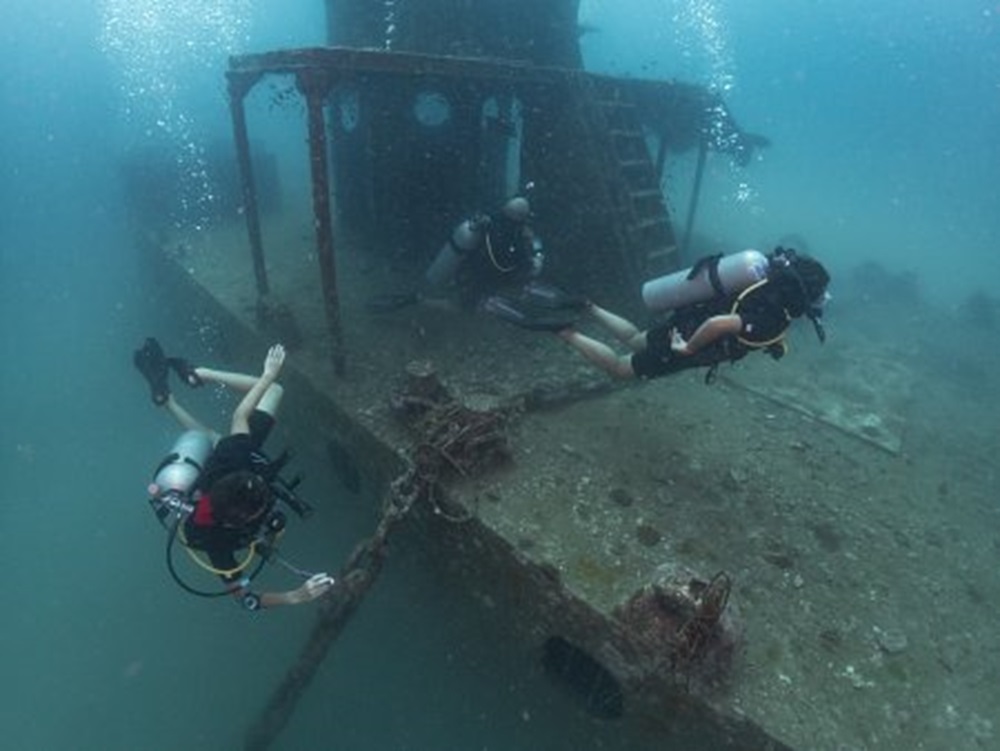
171 491
759 304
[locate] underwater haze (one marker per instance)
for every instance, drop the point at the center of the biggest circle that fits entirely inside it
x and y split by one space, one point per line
882 116
883 120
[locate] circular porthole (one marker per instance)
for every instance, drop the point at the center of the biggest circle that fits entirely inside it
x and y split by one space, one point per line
431 109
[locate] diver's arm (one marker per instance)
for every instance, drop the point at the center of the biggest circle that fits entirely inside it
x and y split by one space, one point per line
272 366
314 587
712 329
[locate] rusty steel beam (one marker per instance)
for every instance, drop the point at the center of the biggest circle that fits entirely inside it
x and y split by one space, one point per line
348 60
314 85
238 86
317 70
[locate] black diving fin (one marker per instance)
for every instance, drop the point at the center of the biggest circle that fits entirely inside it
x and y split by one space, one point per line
527 316
547 296
152 363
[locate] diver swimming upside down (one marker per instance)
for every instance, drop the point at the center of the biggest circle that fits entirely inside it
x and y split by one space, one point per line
219 493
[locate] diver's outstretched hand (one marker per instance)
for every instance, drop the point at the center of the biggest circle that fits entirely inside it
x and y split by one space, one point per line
274 360
316 586
313 588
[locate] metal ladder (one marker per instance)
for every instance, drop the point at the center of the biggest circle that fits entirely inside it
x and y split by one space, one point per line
631 180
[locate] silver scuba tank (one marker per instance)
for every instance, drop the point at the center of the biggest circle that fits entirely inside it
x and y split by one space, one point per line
169 493
464 238
734 273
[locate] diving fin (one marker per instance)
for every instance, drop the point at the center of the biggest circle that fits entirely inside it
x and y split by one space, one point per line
152 363
547 296
527 317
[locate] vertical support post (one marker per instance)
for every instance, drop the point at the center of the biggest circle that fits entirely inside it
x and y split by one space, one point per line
695 195
239 84
314 86
661 157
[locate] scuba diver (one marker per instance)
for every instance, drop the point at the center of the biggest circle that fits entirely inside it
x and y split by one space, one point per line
720 310
483 254
217 494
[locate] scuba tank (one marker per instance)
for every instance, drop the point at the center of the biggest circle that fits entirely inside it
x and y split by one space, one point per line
170 491
171 498
463 239
710 277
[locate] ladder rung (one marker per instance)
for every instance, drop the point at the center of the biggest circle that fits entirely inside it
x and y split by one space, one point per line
638 195
652 222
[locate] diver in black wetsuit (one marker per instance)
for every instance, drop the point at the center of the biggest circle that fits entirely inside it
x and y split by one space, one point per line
706 334
484 254
233 496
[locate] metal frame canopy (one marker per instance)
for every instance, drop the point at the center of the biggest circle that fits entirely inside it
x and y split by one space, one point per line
666 108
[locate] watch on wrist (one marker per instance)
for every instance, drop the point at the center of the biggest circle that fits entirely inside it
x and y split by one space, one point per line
250 601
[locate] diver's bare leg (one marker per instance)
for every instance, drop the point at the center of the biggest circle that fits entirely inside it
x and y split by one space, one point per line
599 353
623 330
186 419
269 402
235 381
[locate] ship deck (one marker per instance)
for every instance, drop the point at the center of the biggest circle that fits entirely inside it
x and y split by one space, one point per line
853 600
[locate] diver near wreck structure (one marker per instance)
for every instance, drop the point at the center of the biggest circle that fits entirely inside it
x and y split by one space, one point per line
484 254
721 309
217 495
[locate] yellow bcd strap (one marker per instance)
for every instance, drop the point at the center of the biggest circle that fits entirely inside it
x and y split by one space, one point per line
203 563
779 339
493 259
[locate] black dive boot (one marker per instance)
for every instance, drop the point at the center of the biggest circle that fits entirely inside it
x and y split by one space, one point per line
184 371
